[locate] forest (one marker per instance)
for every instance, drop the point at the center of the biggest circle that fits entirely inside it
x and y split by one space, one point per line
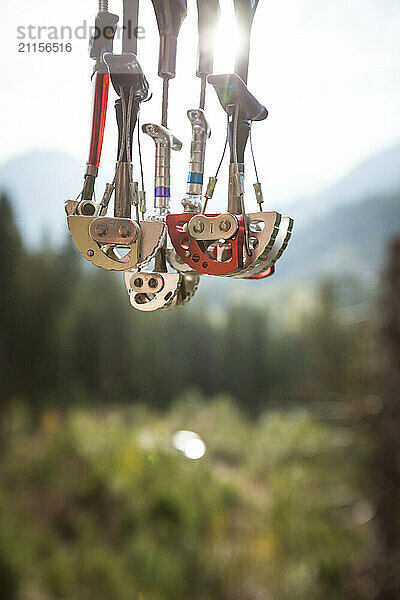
70 335
297 494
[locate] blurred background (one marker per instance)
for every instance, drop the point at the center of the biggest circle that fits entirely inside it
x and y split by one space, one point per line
245 447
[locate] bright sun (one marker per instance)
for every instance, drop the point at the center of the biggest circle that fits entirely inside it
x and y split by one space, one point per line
227 39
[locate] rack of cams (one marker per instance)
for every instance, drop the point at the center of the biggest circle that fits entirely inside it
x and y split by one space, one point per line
233 244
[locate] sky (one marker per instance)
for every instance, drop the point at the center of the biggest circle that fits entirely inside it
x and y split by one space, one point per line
328 73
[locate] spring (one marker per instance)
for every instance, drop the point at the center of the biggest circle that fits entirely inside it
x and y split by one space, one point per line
103 5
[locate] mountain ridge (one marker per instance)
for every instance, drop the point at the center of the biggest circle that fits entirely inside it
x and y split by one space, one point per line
378 174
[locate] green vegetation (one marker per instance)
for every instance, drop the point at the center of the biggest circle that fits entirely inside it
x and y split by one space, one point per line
69 334
104 507
95 501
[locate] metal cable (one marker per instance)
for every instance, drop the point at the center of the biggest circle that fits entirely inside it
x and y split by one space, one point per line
140 154
254 159
235 130
123 135
128 143
128 134
203 91
217 171
122 149
140 162
164 110
222 157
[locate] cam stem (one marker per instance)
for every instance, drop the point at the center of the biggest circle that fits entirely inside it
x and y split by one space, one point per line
203 91
164 110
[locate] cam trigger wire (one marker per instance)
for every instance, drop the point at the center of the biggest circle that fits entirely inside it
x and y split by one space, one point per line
238 180
222 157
128 143
257 185
128 134
111 187
254 158
123 136
140 154
217 171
